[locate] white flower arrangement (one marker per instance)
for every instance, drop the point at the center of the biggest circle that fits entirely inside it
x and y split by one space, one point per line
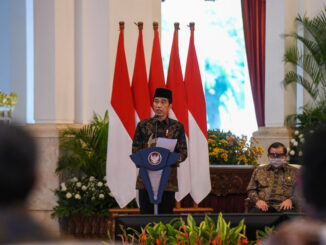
86 195
295 149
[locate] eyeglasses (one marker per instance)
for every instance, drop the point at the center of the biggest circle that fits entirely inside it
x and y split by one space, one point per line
276 155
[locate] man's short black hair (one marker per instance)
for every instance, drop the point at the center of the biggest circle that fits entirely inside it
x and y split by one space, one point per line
17 164
314 167
277 145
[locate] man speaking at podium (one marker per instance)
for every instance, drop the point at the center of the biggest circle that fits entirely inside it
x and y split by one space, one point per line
146 135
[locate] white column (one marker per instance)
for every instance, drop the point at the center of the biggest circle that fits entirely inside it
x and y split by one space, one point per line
81 61
92 58
291 91
29 62
274 92
54 68
300 31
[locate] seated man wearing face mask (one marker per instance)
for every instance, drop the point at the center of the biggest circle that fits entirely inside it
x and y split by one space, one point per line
271 187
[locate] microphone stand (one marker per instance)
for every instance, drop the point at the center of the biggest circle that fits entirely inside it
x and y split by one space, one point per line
155 210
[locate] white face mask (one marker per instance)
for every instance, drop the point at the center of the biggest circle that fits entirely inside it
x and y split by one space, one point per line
276 162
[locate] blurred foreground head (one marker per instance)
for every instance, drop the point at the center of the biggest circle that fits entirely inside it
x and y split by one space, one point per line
314 169
17 164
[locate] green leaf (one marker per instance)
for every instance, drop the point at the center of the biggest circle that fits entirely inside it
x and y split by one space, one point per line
191 222
171 230
192 237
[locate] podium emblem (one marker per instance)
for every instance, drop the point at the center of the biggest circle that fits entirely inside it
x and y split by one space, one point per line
154 158
155 168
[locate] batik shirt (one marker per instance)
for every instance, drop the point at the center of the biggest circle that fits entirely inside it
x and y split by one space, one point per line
147 132
273 185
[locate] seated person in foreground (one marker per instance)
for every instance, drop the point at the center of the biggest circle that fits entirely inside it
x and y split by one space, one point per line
310 229
271 187
17 178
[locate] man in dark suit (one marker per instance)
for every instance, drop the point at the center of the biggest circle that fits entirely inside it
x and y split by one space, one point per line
147 132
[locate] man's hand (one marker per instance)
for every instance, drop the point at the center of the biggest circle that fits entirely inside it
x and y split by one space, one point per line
286 205
262 205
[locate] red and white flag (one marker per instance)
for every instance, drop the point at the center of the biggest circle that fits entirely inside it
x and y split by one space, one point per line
156 73
179 110
139 86
198 146
120 170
